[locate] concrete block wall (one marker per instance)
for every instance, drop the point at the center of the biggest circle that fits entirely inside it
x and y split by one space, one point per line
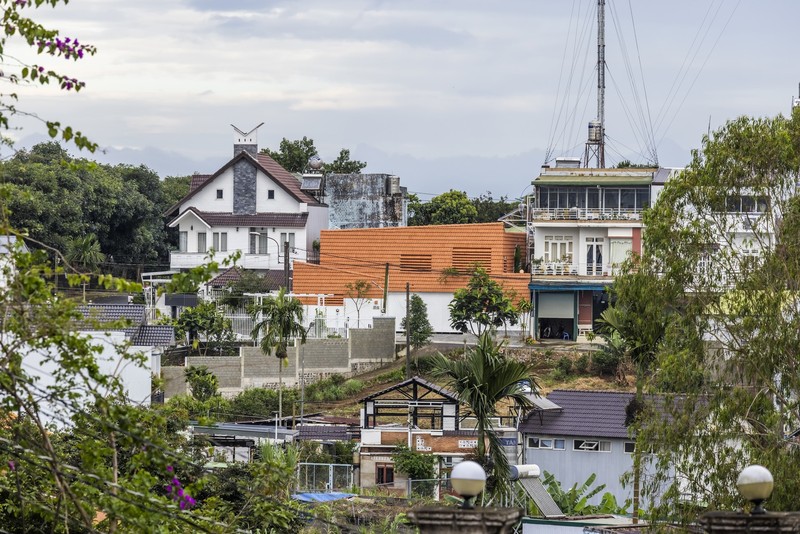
174 381
261 370
366 348
227 369
373 345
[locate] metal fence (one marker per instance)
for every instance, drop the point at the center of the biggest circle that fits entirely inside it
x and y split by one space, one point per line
324 477
434 488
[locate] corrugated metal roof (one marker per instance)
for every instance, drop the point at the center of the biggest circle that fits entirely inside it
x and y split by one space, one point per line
323 433
583 413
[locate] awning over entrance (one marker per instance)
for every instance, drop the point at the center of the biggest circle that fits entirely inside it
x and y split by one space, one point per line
567 286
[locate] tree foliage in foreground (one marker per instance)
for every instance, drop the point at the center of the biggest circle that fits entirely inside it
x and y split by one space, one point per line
723 253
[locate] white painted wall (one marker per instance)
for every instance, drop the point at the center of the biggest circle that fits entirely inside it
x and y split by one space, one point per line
136 379
206 198
283 201
437 303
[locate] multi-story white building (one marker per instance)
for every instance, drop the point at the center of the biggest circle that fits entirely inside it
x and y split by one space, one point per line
251 205
584 223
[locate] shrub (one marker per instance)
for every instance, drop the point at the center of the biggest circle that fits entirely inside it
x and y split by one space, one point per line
582 364
605 363
352 387
564 366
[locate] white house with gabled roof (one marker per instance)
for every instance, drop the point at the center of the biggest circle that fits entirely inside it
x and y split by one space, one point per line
251 205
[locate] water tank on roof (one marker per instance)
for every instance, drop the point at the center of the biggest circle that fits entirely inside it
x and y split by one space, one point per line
393 185
595 131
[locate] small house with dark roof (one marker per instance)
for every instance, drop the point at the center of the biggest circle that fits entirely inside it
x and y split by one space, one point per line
423 416
251 205
578 433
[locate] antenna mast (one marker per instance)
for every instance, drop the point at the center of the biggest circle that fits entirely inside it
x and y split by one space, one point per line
595 146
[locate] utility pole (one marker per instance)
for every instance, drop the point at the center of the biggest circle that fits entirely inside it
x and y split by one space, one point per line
408 330
601 79
286 266
385 289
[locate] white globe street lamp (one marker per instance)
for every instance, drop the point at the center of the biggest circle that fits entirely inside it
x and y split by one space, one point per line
755 484
468 479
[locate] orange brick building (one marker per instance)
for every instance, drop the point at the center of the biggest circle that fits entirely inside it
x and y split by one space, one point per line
434 260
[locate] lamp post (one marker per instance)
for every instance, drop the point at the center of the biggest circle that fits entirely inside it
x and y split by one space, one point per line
468 479
755 484
285 257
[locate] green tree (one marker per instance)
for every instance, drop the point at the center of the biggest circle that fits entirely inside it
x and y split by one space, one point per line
724 233
294 155
206 321
279 320
421 329
358 292
344 165
488 209
202 382
248 282
481 305
452 207
481 380
84 252
416 466
58 199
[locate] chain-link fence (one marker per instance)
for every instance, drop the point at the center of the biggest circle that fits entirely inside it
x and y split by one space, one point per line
324 477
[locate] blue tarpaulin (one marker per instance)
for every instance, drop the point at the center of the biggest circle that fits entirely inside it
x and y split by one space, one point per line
321 497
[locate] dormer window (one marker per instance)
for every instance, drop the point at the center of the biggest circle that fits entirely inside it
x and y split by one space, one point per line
219 193
271 194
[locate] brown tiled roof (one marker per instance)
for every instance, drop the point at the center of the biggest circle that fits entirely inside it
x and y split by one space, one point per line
415 254
198 180
583 413
286 180
213 218
273 278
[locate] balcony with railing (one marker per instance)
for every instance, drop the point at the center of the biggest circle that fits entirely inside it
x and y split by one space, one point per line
569 269
189 260
586 214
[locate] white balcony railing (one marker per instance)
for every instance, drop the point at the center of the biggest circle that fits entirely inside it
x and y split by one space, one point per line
585 214
563 268
188 260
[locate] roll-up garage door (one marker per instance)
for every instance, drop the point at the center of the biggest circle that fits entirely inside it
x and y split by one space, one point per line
556 305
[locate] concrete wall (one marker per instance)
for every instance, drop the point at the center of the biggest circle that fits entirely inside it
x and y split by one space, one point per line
364 201
366 348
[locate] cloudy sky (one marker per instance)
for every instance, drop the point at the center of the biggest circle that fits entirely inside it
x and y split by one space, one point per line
448 94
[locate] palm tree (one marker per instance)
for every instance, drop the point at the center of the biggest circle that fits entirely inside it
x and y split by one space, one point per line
85 252
278 320
483 378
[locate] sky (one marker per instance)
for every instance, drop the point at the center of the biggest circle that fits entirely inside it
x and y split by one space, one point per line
452 94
